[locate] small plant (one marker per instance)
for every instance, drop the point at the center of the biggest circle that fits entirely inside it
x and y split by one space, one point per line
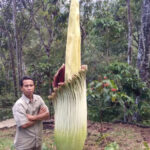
106 102
12 147
49 147
112 146
44 147
129 82
119 96
101 138
146 146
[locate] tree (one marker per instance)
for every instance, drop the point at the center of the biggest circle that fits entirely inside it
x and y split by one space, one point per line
49 28
7 40
129 33
15 24
143 58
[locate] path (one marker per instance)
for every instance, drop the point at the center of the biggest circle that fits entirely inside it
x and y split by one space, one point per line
7 123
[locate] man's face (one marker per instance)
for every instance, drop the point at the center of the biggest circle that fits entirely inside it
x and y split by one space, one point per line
28 88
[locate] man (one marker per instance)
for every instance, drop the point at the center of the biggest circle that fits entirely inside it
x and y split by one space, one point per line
28 112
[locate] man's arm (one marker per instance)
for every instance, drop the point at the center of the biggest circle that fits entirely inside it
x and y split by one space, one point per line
43 115
28 124
20 117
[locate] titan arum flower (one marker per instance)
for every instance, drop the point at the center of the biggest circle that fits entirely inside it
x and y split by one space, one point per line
69 97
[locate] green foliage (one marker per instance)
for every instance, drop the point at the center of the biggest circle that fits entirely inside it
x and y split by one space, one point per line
43 73
127 78
6 103
12 147
146 146
103 30
107 30
44 147
99 98
101 138
121 97
112 146
5 113
5 143
105 102
144 112
51 146
7 100
5 82
129 82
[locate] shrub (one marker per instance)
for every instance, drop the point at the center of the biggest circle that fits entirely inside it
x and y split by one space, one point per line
119 95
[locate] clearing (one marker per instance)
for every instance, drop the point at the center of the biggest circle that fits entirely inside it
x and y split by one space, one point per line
128 137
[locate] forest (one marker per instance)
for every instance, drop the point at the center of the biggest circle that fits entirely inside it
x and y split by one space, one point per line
115 45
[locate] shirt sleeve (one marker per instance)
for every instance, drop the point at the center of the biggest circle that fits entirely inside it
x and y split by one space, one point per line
19 114
43 104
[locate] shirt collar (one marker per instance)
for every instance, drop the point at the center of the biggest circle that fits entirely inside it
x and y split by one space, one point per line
27 100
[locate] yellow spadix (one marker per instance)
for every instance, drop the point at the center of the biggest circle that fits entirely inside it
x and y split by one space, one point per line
73 47
70 99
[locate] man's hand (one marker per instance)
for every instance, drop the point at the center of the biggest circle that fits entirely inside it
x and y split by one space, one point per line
42 110
35 117
31 117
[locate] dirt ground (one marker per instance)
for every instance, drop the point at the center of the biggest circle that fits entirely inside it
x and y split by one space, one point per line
128 137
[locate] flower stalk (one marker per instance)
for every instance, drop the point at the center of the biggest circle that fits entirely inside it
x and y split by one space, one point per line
69 99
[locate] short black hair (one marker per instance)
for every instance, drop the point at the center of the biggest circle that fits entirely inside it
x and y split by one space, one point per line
25 78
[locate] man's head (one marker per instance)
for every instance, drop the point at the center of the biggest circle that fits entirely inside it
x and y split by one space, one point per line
27 86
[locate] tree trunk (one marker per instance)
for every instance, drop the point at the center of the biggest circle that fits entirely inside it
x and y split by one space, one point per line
143 58
13 66
18 57
12 58
129 59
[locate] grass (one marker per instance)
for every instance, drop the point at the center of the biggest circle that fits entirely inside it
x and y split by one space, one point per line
48 140
6 139
6 144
